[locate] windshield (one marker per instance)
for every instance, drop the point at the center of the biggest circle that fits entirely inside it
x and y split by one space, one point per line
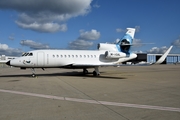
27 54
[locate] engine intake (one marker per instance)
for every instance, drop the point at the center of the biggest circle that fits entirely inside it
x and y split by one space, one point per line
107 46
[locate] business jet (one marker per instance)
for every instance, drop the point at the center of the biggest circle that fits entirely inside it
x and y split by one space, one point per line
106 55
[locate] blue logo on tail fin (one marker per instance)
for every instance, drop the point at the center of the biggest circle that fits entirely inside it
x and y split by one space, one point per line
125 44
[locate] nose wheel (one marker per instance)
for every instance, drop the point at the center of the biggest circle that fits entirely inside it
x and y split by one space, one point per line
33 75
33 72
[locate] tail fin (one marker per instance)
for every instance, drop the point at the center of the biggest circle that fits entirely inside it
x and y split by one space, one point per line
126 42
163 57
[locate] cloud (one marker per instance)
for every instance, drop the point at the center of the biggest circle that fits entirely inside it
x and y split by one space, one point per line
119 30
176 43
43 27
89 35
46 15
137 42
6 50
80 44
84 41
34 45
137 28
138 51
156 50
11 37
96 5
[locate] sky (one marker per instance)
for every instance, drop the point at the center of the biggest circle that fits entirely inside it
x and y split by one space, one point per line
81 24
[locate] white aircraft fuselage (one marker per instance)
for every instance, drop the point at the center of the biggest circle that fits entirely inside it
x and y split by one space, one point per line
68 59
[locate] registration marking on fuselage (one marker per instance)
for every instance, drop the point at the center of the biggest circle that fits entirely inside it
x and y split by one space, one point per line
93 101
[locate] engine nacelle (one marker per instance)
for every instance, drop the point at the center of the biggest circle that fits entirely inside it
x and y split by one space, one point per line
107 46
110 55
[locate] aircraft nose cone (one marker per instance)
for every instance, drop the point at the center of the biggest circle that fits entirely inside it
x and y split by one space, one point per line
8 63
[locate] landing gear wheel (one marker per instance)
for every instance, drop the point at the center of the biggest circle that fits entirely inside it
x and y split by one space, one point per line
33 72
33 75
95 73
85 71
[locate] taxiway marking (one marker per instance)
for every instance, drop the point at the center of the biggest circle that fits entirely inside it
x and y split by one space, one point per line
93 101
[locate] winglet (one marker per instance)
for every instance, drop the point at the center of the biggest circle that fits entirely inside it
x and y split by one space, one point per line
163 57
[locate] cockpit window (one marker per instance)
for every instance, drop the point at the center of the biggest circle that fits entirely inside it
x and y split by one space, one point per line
27 54
23 54
30 54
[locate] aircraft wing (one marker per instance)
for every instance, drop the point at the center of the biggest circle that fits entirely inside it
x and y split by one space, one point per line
92 65
85 65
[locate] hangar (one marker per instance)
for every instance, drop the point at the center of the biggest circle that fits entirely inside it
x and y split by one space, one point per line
4 59
151 58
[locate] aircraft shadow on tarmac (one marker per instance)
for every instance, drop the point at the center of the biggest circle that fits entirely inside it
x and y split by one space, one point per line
70 74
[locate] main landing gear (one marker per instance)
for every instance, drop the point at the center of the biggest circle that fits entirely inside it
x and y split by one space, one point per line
95 72
85 71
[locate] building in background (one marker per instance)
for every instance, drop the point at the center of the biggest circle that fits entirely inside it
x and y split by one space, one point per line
152 58
4 59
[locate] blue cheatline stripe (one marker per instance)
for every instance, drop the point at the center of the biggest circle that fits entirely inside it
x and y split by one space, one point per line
172 109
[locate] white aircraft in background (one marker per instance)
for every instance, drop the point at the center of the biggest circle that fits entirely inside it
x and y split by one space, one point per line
106 55
159 61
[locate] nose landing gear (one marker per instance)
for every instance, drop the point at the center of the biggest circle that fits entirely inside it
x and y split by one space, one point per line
33 72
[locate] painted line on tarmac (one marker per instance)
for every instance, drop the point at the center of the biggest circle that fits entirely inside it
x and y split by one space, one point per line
93 101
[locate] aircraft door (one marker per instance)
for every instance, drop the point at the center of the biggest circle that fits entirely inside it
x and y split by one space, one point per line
40 59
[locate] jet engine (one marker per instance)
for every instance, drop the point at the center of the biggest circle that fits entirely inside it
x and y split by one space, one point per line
110 55
107 46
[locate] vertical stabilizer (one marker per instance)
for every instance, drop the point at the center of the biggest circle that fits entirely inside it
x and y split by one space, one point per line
131 32
163 57
127 40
